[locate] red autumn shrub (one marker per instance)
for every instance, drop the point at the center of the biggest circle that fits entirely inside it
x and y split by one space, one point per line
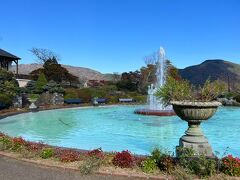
33 146
123 159
67 155
18 140
96 153
17 143
231 165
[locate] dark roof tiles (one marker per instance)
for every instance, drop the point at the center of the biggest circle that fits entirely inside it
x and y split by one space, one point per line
8 55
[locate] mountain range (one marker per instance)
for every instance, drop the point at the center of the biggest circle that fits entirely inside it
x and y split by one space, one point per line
214 69
226 71
82 73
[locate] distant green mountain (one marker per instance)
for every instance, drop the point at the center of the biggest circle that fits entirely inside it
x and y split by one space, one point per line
213 69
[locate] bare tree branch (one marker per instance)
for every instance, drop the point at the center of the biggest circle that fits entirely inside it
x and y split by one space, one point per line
44 54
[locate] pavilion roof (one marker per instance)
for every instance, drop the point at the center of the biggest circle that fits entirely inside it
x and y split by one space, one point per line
8 55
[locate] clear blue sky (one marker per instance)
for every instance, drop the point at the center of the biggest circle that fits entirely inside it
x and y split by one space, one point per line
115 35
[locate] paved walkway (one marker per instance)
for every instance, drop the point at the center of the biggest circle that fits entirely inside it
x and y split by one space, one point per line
12 169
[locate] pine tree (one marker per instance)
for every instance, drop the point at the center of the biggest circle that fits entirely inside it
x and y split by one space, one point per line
41 82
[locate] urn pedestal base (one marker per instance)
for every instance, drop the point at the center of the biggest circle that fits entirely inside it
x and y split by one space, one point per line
195 139
199 148
194 113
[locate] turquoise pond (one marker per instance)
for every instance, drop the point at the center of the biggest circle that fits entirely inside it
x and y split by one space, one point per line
116 128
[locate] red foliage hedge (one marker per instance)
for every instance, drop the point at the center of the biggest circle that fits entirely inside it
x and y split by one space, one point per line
96 153
67 155
34 146
123 159
18 140
231 165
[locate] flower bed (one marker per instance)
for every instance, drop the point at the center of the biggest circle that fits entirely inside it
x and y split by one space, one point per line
158 163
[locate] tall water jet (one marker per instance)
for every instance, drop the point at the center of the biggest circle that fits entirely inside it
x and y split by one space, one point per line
154 105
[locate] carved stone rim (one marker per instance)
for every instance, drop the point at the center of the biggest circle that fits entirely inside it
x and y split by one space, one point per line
196 103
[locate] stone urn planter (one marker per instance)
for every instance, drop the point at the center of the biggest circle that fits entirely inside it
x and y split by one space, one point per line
32 106
194 113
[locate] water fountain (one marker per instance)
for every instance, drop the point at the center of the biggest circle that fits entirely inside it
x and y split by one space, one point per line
154 105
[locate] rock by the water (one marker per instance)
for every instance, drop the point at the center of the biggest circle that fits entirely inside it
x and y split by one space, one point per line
228 102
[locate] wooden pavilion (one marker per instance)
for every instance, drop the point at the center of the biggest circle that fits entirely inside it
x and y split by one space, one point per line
6 60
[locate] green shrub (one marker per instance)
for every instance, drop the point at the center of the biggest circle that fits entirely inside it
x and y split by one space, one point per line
182 90
17 144
164 161
184 154
200 166
53 87
5 100
149 165
85 94
41 82
210 90
47 153
8 84
30 87
176 90
99 92
90 165
34 97
5 143
156 155
71 93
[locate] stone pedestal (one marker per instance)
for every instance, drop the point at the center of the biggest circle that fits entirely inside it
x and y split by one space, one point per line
194 113
195 139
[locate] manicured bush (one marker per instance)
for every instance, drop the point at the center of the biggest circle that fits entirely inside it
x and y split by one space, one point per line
47 153
67 155
149 165
123 159
98 153
231 166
